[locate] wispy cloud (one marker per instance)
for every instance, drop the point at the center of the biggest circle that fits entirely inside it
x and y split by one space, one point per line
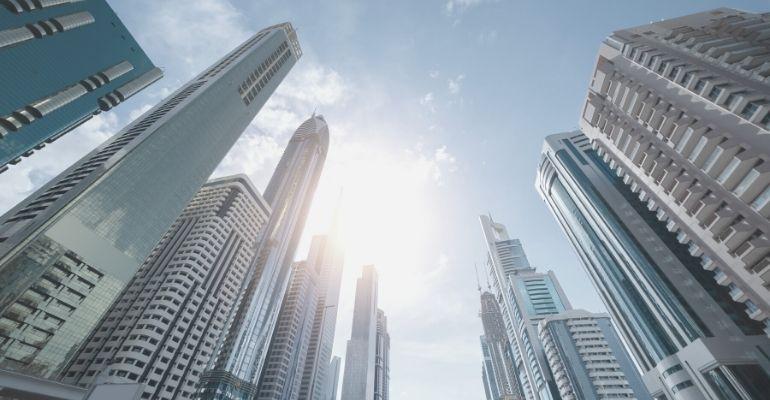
433 74
428 101
458 6
454 84
33 172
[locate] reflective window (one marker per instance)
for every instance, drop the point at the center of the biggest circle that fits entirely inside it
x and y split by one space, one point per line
761 200
746 182
728 170
685 138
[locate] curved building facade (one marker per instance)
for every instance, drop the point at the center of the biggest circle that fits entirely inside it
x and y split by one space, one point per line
680 325
240 358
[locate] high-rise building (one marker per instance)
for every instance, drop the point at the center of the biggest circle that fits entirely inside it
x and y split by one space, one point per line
71 247
164 327
327 257
680 108
587 358
43 97
282 374
680 324
500 375
240 358
333 379
358 382
525 297
382 359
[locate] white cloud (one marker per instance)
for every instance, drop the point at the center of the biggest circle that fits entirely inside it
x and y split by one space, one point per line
428 102
433 74
189 35
456 6
432 165
487 36
134 114
454 84
24 178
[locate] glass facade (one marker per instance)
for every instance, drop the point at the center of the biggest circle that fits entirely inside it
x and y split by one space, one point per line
112 206
663 299
241 356
42 97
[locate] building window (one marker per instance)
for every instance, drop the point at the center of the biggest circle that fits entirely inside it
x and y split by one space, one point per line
728 170
746 182
749 109
674 72
761 200
685 138
681 386
699 86
715 92
698 148
686 78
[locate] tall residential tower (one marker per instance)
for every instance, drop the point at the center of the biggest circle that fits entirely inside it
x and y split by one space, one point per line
382 359
282 374
63 61
501 378
525 297
164 327
71 247
587 358
675 314
681 110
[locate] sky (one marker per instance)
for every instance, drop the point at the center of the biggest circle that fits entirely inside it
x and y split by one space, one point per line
437 111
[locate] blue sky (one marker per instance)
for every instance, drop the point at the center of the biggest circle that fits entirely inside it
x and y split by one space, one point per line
437 111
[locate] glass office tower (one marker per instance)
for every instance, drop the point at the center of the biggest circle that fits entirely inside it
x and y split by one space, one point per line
678 322
288 349
327 256
70 247
240 359
62 62
525 297
358 381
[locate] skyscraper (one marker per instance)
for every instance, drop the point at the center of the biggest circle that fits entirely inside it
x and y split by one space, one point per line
358 383
42 97
327 257
500 375
525 297
285 361
587 358
333 379
382 359
679 323
681 109
164 327
71 247
240 359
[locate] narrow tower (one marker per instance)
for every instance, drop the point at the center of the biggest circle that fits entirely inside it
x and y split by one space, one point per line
360 357
241 355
